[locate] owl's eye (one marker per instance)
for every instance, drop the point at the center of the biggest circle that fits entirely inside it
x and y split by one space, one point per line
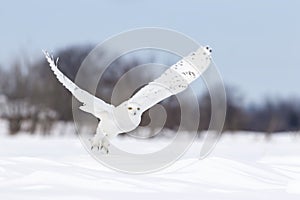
129 108
210 50
207 47
138 108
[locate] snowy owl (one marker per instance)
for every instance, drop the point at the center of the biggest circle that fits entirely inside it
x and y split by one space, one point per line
127 116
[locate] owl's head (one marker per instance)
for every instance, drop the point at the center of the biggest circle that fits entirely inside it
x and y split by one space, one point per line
134 108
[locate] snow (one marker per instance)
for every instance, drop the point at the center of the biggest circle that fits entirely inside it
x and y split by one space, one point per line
242 166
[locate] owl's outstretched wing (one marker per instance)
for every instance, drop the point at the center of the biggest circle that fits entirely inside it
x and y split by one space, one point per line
174 80
91 104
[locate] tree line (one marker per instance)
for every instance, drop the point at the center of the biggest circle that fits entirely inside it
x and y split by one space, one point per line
33 96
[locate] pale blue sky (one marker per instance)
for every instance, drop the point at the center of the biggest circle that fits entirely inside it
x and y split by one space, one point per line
256 43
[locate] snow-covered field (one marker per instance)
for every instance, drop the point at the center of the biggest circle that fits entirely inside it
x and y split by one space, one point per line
242 166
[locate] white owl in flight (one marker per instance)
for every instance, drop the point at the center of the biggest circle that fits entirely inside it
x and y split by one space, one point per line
127 116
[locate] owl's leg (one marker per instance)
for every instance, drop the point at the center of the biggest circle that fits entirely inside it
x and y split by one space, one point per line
106 141
96 141
105 144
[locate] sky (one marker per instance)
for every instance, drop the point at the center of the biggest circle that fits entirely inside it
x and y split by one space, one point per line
255 43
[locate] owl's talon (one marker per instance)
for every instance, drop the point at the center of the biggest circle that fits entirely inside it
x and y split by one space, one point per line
101 143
